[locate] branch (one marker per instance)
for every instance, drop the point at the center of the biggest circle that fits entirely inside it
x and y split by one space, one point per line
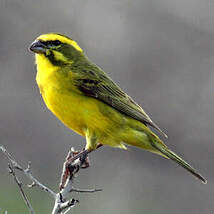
27 172
2 211
71 166
73 163
85 190
27 202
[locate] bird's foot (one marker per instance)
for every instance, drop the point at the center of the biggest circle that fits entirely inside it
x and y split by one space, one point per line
71 167
85 163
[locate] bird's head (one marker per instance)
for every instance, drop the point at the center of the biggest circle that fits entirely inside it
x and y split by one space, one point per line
56 48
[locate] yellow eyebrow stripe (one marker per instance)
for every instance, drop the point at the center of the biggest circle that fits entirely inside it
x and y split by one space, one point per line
52 37
61 57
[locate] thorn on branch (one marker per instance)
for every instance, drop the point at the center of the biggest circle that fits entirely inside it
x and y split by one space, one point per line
28 167
33 184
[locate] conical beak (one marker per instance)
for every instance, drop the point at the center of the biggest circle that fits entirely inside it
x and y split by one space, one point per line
38 47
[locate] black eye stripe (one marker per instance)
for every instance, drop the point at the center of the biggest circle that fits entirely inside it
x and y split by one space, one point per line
51 43
56 42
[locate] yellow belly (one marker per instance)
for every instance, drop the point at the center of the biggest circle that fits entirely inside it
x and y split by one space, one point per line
72 109
80 112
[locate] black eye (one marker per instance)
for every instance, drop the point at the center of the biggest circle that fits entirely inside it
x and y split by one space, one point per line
55 43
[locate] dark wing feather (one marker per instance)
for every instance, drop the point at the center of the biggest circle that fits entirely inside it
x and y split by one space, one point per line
95 83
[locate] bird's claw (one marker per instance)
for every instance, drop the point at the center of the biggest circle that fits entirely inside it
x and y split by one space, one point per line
85 163
70 167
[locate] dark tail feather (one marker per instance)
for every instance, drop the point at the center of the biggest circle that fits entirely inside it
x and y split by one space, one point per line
152 124
167 152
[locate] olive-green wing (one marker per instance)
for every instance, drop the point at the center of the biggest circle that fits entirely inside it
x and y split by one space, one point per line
95 83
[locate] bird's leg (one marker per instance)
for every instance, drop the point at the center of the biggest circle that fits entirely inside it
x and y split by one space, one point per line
91 144
85 162
67 170
70 166
83 155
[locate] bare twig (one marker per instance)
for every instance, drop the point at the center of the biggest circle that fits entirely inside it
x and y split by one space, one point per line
2 211
73 163
35 182
27 202
27 172
85 190
70 169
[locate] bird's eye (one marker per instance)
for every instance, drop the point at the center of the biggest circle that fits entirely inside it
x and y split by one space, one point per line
56 43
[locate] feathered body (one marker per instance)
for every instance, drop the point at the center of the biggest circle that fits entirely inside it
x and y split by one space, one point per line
86 100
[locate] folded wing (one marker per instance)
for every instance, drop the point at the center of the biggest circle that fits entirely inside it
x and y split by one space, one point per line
93 82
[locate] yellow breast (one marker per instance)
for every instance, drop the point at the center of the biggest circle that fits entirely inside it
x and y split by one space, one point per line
76 111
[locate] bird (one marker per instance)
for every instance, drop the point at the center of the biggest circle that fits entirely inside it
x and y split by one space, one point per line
86 100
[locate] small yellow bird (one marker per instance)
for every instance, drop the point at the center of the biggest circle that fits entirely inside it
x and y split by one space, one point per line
86 100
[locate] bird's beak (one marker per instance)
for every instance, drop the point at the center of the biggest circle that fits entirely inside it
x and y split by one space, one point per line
38 47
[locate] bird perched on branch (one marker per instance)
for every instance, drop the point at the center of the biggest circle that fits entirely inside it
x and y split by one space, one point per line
87 101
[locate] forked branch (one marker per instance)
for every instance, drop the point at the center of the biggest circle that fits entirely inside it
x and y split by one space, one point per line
63 203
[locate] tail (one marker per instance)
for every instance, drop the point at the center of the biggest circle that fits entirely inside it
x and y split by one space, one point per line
171 155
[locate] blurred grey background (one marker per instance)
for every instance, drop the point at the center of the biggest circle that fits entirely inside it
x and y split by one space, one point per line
162 54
